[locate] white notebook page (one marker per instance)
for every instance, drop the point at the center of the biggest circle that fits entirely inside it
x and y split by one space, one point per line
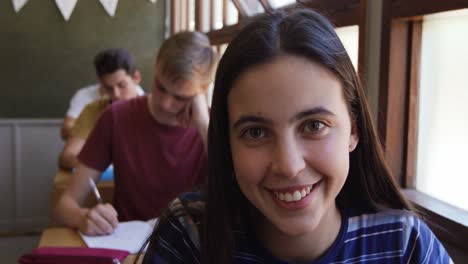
128 236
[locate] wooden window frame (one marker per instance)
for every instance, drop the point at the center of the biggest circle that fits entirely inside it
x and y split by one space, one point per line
398 108
340 12
266 5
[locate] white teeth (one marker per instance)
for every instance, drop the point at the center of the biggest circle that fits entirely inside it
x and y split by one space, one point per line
297 196
281 197
303 193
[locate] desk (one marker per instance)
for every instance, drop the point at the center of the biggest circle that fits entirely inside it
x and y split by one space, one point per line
66 237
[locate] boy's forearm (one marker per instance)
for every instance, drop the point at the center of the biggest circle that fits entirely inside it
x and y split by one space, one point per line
67 162
69 213
68 158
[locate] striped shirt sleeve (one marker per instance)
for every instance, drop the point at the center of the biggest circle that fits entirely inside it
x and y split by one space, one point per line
424 247
174 242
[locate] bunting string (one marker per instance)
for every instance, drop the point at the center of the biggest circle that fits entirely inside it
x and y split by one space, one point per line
66 7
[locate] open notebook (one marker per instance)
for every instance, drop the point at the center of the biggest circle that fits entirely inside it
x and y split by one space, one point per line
128 236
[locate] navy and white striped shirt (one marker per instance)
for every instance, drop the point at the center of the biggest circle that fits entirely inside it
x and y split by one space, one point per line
392 236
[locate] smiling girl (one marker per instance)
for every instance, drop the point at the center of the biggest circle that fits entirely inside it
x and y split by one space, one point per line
297 173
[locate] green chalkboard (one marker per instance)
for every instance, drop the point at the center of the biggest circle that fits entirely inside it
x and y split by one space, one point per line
44 59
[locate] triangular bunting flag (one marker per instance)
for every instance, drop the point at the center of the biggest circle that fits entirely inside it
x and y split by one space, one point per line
18 4
110 6
66 7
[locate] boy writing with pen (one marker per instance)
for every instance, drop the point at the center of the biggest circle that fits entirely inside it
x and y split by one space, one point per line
95 191
156 142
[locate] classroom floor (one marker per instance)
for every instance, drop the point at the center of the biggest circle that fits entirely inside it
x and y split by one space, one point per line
11 248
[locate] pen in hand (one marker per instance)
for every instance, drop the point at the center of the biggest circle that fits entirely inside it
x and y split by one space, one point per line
102 218
95 191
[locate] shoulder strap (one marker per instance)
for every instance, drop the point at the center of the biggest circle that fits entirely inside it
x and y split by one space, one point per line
184 212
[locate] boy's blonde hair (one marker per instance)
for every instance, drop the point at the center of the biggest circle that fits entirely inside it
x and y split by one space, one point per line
187 55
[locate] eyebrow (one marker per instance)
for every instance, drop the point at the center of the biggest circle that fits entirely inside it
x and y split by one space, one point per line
314 111
250 118
257 119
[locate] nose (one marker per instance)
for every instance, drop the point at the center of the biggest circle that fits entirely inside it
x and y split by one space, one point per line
116 94
166 102
288 158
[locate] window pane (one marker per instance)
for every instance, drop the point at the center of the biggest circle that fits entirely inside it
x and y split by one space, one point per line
218 13
232 14
191 14
252 7
443 108
183 15
280 3
349 36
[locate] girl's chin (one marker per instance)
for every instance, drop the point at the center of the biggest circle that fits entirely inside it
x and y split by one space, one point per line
296 227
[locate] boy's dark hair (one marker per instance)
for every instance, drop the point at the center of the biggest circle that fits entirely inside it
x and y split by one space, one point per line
111 60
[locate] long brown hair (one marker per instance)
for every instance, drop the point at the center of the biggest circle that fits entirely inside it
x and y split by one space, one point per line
307 34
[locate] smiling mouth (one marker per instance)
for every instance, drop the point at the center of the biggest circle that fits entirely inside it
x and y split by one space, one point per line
296 195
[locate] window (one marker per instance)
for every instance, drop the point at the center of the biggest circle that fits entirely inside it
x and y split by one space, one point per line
422 58
252 7
232 15
224 14
191 15
349 36
217 11
281 3
443 108
220 19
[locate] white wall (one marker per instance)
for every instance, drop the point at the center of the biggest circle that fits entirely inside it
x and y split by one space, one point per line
28 163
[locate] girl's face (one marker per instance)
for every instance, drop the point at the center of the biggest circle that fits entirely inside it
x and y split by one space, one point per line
290 136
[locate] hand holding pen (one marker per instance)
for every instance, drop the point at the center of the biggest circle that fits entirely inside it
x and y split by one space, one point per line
101 219
95 191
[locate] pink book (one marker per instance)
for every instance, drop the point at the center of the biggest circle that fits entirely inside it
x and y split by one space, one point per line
73 255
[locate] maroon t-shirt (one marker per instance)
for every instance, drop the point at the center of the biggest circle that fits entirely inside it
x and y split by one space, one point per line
153 163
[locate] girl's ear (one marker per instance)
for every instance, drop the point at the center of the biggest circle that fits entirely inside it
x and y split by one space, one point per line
353 137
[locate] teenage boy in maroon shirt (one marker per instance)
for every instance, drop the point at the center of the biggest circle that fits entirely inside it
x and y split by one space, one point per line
157 143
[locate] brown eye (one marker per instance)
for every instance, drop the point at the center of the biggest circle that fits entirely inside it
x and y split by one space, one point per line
313 126
254 133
